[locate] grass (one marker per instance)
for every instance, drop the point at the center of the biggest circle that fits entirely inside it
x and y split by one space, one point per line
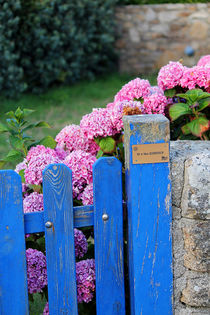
64 105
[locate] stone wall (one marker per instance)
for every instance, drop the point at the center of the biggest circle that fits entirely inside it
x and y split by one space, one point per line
149 36
190 173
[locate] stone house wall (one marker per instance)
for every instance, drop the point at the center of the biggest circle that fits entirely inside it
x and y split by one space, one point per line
149 36
190 174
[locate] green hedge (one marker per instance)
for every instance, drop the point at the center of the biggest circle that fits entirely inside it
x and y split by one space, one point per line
43 42
159 1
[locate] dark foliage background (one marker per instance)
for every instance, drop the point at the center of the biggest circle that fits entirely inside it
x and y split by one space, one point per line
159 1
43 42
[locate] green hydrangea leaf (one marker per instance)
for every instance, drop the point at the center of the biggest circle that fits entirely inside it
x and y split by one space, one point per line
13 155
48 142
179 109
107 144
196 126
170 92
99 154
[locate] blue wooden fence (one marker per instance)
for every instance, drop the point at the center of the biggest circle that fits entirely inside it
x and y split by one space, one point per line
149 234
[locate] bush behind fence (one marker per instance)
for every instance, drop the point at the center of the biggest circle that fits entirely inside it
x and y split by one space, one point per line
46 42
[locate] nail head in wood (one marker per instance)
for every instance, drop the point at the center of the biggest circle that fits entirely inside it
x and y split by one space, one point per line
105 217
48 224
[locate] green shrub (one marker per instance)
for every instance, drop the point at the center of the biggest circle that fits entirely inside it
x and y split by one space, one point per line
51 41
159 1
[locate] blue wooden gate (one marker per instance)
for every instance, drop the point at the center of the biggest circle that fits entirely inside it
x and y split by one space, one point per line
149 234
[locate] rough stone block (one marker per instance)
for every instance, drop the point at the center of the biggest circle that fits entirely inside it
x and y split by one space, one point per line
196 292
195 201
197 244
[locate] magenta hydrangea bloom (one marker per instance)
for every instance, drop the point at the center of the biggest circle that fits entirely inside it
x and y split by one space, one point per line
33 203
80 242
61 153
38 158
133 90
170 75
71 138
97 124
204 61
196 77
81 163
155 104
116 113
36 270
85 275
87 195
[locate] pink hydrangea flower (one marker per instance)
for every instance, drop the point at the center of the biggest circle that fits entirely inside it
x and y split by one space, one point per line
87 195
110 105
33 203
170 75
117 112
196 77
61 153
97 124
38 158
155 90
204 61
71 138
133 90
80 242
85 274
155 104
81 163
36 270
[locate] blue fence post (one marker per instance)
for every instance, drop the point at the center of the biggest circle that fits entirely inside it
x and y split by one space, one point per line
149 214
59 235
13 275
108 236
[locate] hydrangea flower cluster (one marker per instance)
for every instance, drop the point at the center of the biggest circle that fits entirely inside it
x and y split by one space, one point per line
37 159
36 270
133 90
169 76
80 162
155 104
71 138
80 243
33 203
85 275
196 77
97 124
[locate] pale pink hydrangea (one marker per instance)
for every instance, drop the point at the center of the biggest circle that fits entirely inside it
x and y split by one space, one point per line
71 138
196 77
170 75
155 90
21 166
116 113
97 124
38 158
133 90
87 195
33 203
155 104
204 61
80 162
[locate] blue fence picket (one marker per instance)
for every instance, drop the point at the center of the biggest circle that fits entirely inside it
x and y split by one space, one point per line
108 236
59 234
149 215
13 276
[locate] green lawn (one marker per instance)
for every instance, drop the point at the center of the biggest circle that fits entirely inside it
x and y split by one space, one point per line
61 106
